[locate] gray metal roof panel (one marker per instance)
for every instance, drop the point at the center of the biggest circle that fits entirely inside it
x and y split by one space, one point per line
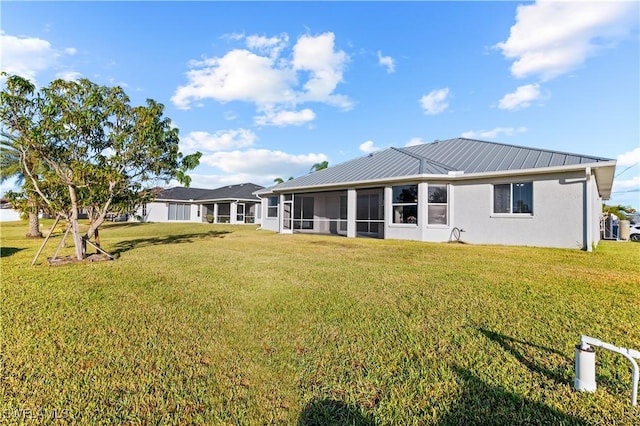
439 157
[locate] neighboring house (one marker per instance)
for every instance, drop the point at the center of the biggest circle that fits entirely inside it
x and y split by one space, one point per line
7 213
484 192
232 204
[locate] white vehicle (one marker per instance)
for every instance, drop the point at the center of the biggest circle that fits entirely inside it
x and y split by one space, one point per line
634 232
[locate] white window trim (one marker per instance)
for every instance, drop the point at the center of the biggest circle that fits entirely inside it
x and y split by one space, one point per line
511 214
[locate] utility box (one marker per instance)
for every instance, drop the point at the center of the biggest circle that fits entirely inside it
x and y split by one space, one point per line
624 229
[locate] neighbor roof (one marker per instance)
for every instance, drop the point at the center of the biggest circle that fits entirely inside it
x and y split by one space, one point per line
459 156
243 191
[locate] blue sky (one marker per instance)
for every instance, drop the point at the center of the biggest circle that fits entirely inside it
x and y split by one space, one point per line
267 89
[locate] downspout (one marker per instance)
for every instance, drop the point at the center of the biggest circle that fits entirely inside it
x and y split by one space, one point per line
588 213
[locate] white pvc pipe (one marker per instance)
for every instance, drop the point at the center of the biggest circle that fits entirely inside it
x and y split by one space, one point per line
630 354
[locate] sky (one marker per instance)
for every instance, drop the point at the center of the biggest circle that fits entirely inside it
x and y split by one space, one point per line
268 89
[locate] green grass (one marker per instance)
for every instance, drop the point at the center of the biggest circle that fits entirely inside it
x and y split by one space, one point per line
214 324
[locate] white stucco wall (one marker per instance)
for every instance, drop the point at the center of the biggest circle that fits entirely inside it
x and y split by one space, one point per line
156 212
269 223
557 219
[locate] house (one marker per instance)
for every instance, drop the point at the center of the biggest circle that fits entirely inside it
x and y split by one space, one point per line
476 191
232 204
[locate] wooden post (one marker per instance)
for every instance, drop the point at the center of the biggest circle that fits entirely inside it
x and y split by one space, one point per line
45 240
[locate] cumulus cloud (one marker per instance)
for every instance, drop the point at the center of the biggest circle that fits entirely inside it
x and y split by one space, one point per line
626 185
629 159
262 162
435 101
387 62
550 38
240 75
285 118
415 141
263 75
69 75
521 98
493 133
270 45
218 141
369 147
26 56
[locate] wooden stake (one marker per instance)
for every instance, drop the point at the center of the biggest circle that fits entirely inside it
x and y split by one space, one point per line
45 240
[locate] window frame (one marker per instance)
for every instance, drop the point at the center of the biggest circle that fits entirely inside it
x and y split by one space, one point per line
411 220
438 204
512 200
272 209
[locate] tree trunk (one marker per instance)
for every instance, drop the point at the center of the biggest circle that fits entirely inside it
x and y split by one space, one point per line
78 241
34 226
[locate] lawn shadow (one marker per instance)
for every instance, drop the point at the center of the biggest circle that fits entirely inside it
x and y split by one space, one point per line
8 251
510 345
481 403
127 245
333 412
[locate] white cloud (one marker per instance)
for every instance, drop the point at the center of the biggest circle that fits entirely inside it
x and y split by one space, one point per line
216 180
285 118
369 147
219 141
26 56
387 62
318 56
493 133
415 141
262 162
239 75
626 185
551 38
435 101
521 98
269 45
69 75
270 81
629 159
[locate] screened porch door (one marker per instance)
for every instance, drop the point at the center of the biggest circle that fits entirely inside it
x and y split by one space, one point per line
240 213
370 213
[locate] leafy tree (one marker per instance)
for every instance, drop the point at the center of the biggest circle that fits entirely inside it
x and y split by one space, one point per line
98 151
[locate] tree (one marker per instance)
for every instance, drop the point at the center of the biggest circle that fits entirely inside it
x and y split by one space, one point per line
98 150
618 210
12 165
319 166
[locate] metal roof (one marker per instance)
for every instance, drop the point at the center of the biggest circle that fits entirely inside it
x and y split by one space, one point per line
437 158
243 191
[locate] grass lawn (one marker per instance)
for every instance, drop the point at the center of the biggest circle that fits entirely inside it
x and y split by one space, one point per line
214 324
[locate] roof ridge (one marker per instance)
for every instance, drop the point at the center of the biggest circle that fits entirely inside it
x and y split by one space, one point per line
423 158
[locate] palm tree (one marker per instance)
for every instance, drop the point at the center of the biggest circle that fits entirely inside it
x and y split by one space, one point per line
319 166
279 180
11 166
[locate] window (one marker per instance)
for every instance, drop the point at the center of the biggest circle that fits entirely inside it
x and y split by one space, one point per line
272 207
405 204
179 211
437 205
514 198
